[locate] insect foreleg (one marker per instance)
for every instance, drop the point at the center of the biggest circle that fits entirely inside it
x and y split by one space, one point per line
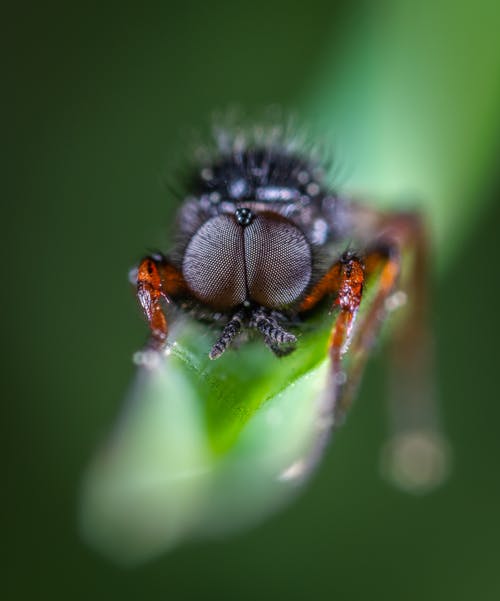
157 280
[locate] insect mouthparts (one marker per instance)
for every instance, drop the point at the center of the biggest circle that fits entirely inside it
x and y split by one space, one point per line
244 216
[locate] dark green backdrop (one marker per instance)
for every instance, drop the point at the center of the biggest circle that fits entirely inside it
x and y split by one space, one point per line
98 102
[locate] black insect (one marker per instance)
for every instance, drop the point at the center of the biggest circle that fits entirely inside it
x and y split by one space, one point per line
263 240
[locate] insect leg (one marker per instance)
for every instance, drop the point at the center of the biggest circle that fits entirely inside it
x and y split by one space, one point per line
417 454
383 259
345 279
157 280
350 285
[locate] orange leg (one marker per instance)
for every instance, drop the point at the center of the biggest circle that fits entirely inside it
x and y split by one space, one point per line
382 263
412 395
158 280
345 279
417 455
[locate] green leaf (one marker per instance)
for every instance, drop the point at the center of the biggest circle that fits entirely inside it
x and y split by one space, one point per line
205 447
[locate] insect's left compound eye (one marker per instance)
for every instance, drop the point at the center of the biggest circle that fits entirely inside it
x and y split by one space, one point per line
278 260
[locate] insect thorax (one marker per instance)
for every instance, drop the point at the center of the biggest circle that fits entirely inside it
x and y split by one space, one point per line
263 179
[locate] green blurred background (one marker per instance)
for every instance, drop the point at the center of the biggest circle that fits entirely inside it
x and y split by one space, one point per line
99 103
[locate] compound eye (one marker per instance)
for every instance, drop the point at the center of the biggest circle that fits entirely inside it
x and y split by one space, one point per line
213 264
278 260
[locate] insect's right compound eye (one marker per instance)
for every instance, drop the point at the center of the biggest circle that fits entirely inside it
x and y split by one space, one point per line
213 264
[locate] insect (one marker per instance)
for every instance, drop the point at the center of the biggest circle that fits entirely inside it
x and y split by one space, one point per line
263 242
